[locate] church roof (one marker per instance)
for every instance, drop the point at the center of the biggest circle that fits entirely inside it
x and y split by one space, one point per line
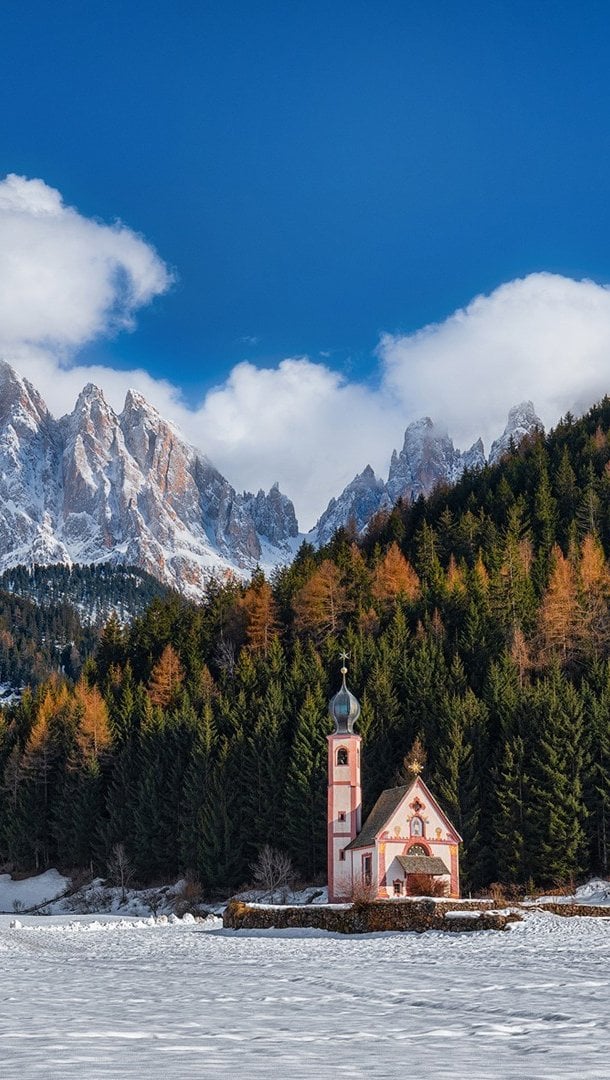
387 803
344 707
422 864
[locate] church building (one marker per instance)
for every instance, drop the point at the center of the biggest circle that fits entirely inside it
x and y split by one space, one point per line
406 834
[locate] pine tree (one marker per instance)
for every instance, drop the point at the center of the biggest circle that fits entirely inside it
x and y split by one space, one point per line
597 777
222 866
196 786
305 815
556 809
264 769
509 819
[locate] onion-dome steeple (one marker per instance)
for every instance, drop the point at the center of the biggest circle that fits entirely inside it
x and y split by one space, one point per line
344 707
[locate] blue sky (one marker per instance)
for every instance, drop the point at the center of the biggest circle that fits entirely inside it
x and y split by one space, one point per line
316 174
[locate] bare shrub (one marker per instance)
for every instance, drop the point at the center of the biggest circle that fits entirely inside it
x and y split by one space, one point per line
18 905
120 870
78 880
427 885
91 901
363 894
503 893
557 888
189 898
154 901
272 870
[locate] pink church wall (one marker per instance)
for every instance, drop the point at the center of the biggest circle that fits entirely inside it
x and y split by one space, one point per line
416 821
435 837
344 798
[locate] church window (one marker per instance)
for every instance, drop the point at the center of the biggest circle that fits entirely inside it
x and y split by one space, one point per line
397 887
342 756
342 855
367 869
417 849
342 815
417 826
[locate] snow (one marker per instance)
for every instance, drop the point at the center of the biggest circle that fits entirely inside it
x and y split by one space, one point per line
47 893
97 487
463 914
31 891
314 894
124 998
596 893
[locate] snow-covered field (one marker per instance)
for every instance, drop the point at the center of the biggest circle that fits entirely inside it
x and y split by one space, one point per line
96 997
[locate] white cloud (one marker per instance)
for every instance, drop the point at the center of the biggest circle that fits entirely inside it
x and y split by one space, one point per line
543 337
299 423
64 279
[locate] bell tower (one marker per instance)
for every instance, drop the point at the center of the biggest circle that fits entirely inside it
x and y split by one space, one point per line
344 790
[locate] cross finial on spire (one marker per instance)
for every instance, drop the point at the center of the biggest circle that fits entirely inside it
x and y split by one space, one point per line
344 656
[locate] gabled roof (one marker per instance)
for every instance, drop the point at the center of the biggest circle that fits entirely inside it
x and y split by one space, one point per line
385 807
386 804
422 864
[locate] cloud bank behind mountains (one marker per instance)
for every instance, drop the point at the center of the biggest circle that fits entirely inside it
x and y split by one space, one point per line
66 279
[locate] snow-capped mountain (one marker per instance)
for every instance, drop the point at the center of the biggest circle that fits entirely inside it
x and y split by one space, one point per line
95 486
357 502
428 458
522 421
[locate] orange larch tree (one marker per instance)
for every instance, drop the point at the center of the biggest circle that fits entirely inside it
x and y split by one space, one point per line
262 618
594 597
94 728
559 611
321 603
166 678
394 578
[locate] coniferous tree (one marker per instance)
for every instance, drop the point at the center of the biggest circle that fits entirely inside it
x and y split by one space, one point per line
306 777
556 811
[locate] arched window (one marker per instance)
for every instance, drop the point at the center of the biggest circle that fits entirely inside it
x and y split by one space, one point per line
417 826
417 849
341 756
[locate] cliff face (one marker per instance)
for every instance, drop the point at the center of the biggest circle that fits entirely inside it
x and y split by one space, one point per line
100 487
427 458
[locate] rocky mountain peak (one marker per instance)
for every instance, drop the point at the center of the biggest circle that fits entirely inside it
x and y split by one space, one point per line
273 515
135 403
522 420
357 503
475 457
20 403
91 408
427 458
96 487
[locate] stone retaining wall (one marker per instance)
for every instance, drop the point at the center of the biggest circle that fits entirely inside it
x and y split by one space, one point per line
418 915
571 909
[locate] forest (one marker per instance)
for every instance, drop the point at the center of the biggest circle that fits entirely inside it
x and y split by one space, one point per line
477 621
50 616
